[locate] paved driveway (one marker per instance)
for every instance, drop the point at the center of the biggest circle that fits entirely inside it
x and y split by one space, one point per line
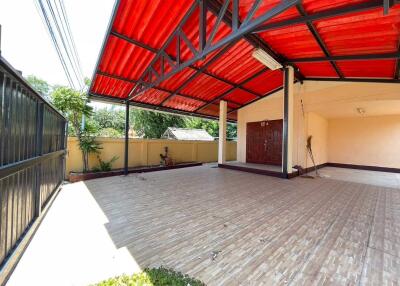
224 227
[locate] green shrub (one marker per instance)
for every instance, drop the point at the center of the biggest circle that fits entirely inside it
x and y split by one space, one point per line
104 166
153 277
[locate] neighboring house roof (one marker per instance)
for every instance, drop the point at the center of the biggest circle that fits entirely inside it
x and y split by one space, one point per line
187 134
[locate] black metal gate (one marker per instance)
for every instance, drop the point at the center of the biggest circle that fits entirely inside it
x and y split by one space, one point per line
32 156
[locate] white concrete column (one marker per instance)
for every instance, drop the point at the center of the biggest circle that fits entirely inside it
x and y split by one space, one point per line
222 132
288 120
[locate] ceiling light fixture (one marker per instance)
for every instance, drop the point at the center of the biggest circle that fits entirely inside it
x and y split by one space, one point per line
266 59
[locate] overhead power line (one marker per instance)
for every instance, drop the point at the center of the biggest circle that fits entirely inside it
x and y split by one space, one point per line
54 17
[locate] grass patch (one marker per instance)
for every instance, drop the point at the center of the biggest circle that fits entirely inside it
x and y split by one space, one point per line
153 277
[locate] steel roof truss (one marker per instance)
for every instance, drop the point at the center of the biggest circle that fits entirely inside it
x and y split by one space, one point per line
247 27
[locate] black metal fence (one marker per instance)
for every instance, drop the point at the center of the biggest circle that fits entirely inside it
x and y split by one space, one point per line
32 156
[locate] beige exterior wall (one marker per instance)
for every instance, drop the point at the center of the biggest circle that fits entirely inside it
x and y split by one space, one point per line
318 129
320 108
371 141
310 123
144 152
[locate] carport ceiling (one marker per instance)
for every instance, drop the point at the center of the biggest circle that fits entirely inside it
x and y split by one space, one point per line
185 56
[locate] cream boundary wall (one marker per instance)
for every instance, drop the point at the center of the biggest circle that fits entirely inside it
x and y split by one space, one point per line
329 105
143 152
371 141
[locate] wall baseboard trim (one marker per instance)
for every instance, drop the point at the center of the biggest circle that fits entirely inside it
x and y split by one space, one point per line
308 170
364 167
252 170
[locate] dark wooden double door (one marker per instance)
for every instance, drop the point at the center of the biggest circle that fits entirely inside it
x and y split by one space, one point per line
264 142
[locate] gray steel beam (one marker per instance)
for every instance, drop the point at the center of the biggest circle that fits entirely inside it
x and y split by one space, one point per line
153 50
318 39
373 80
157 87
285 134
232 20
347 10
232 89
39 153
204 67
126 154
386 56
234 36
114 100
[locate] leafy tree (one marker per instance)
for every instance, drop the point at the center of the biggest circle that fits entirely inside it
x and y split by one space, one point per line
211 126
231 131
151 124
73 104
110 119
110 133
40 86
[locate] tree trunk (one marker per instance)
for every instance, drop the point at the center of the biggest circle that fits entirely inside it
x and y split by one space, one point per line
84 161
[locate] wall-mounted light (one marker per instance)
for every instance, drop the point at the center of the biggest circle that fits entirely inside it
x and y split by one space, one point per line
266 59
360 111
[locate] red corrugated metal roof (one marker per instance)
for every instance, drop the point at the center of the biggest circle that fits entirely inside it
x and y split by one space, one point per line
302 42
141 28
362 33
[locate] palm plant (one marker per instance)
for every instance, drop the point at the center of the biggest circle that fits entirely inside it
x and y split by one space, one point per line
88 145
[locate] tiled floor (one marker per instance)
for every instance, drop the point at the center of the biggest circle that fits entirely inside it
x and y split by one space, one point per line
264 230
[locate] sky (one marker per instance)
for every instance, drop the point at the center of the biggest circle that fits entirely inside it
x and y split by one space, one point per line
26 45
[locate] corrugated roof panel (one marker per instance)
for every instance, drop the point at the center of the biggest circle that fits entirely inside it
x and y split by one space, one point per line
240 96
151 21
183 103
319 69
211 109
109 86
236 64
124 59
152 96
368 69
231 105
313 6
362 33
233 115
177 80
293 42
205 87
266 82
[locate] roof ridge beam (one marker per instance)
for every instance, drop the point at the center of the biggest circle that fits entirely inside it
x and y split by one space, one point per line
363 57
321 15
354 79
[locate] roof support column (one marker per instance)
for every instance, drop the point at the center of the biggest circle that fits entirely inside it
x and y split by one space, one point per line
126 155
222 132
288 117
